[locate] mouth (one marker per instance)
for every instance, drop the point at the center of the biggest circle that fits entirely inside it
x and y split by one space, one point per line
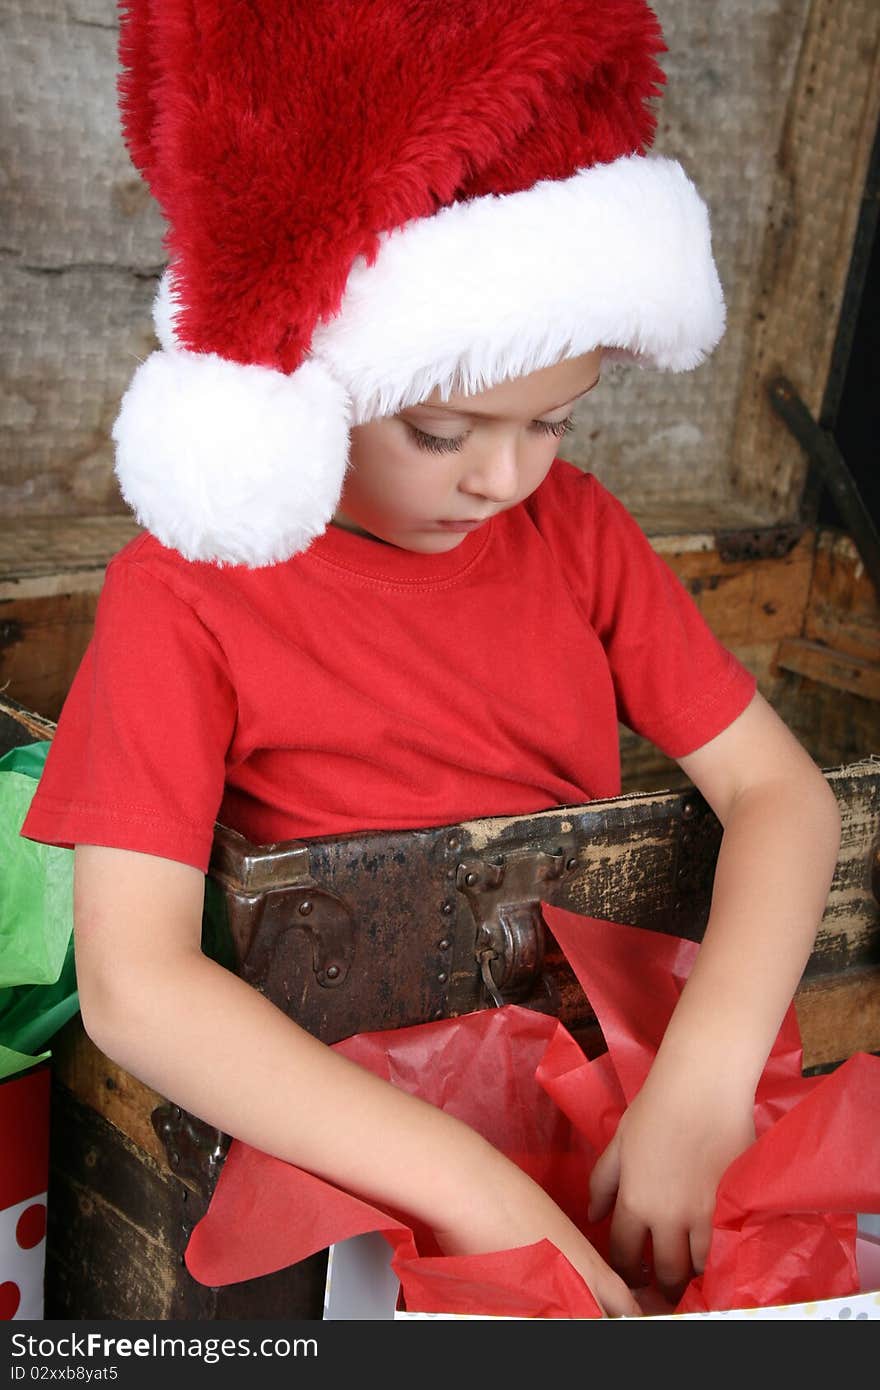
462 525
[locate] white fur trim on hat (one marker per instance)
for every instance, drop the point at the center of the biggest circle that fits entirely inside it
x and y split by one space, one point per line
236 464
164 309
618 256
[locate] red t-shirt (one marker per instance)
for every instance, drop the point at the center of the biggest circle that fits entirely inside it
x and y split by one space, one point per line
359 686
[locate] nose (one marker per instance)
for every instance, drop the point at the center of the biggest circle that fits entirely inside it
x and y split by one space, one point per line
495 474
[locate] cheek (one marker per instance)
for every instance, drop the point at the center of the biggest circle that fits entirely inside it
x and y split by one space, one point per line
394 473
538 461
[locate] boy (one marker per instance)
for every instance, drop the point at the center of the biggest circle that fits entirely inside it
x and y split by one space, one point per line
370 596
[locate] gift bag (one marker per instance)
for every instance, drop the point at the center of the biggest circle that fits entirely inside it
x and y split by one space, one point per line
24 1174
785 1220
37 996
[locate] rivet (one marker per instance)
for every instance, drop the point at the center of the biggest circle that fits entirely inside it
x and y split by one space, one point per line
470 879
438 1013
174 1159
332 972
688 809
571 863
454 842
305 908
443 977
447 907
177 1112
444 945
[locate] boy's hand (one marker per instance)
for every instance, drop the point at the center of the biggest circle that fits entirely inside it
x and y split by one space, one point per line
608 1289
661 1173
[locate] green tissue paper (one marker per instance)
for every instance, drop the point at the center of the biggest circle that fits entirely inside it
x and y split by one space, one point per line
37 977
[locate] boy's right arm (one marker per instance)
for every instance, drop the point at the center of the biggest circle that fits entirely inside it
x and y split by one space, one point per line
209 1042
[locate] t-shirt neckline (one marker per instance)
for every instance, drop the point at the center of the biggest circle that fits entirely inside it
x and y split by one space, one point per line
378 560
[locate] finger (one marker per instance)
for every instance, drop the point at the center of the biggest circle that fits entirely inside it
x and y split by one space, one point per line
700 1241
672 1260
603 1182
614 1297
626 1243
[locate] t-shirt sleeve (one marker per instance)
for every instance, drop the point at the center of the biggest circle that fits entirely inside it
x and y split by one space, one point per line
139 756
676 684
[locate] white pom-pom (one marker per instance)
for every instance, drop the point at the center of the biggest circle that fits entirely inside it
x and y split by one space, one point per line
239 465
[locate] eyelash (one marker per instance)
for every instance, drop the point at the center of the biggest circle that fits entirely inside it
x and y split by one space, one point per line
435 445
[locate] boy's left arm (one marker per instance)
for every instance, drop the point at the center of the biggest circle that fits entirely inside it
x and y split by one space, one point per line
694 1114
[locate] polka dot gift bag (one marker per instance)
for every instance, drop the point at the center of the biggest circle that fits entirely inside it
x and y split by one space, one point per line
37 996
24 1171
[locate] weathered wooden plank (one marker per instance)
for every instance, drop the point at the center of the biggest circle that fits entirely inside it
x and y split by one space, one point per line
831 667
843 609
113 1241
838 1016
19 725
42 641
40 556
750 601
51 572
833 725
821 169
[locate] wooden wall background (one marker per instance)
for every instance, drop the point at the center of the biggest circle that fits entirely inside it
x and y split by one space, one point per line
771 106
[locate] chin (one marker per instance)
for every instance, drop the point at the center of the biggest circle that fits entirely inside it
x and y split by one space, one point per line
431 542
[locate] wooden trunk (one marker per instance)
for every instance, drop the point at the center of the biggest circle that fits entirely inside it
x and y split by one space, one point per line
357 932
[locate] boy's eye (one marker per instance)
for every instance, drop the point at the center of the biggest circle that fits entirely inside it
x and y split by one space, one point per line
557 427
436 444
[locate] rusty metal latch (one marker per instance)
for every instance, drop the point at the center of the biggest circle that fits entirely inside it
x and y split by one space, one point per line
195 1150
306 909
504 895
486 957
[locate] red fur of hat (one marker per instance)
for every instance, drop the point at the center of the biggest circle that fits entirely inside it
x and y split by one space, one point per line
276 175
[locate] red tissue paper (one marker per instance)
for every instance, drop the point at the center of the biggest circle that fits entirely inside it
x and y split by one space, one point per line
785 1219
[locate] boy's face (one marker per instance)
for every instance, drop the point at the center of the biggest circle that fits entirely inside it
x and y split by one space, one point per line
423 478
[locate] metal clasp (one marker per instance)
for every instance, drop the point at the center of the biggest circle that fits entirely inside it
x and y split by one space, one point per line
486 957
504 895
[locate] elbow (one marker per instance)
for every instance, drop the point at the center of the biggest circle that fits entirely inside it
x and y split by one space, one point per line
131 1006
105 1014
116 1003
826 809
816 810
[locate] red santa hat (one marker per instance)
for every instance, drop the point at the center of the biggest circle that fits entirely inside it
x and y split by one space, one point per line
370 199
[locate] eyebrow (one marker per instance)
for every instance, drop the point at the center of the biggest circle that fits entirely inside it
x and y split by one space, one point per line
485 415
